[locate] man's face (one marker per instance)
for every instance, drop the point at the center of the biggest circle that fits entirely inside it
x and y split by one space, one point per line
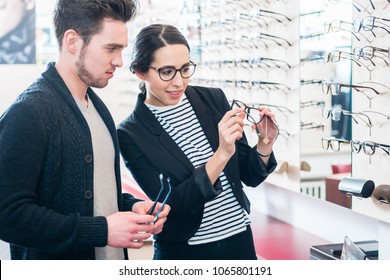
98 60
12 13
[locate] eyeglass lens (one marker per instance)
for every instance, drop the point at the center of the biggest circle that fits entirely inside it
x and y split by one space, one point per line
333 144
168 73
252 114
368 147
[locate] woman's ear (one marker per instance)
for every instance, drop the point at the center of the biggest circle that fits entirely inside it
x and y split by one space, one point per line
140 75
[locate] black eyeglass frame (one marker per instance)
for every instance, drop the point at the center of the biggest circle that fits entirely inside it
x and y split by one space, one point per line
159 69
251 119
356 147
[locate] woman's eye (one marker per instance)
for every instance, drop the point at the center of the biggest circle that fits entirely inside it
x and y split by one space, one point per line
166 71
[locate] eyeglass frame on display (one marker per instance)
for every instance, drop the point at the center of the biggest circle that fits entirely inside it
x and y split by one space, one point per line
259 12
339 85
280 108
312 103
330 140
273 38
259 60
366 112
361 52
331 112
365 144
358 25
331 57
329 26
312 125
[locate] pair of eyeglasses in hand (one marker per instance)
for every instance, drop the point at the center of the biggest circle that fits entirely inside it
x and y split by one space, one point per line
253 116
160 193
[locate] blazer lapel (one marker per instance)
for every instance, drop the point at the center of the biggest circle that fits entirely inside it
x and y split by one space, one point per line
206 120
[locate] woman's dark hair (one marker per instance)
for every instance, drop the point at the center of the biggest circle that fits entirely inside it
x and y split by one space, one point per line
86 16
149 40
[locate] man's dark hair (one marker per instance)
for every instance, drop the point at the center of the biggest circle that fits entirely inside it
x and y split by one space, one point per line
86 16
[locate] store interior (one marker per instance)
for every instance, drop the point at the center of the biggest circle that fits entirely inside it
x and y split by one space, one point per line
321 66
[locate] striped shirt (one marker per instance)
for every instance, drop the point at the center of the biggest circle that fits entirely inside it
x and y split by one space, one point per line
223 216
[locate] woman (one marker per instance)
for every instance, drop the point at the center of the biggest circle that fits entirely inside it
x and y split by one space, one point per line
191 135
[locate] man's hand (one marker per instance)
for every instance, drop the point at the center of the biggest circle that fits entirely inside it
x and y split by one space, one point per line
129 230
144 207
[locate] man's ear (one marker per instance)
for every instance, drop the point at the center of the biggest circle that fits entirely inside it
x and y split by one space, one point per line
71 41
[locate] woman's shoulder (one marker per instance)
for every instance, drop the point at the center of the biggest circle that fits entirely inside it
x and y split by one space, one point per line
212 98
208 93
203 90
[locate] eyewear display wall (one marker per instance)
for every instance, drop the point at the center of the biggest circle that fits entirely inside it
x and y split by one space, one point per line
251 50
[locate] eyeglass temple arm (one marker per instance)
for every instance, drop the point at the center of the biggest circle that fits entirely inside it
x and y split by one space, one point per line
158 196
165 199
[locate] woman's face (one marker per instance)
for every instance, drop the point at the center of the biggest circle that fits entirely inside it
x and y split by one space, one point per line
164 93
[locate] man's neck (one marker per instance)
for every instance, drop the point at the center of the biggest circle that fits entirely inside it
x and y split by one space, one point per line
76 87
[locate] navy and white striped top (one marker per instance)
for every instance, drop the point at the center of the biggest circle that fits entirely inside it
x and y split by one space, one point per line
223 216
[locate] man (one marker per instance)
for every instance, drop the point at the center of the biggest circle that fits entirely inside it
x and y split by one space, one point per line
17 31
59 160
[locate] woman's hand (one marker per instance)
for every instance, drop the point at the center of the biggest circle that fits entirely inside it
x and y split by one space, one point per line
230 129
267 131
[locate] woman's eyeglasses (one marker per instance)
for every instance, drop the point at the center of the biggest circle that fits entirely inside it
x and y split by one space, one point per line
168 193
167 73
